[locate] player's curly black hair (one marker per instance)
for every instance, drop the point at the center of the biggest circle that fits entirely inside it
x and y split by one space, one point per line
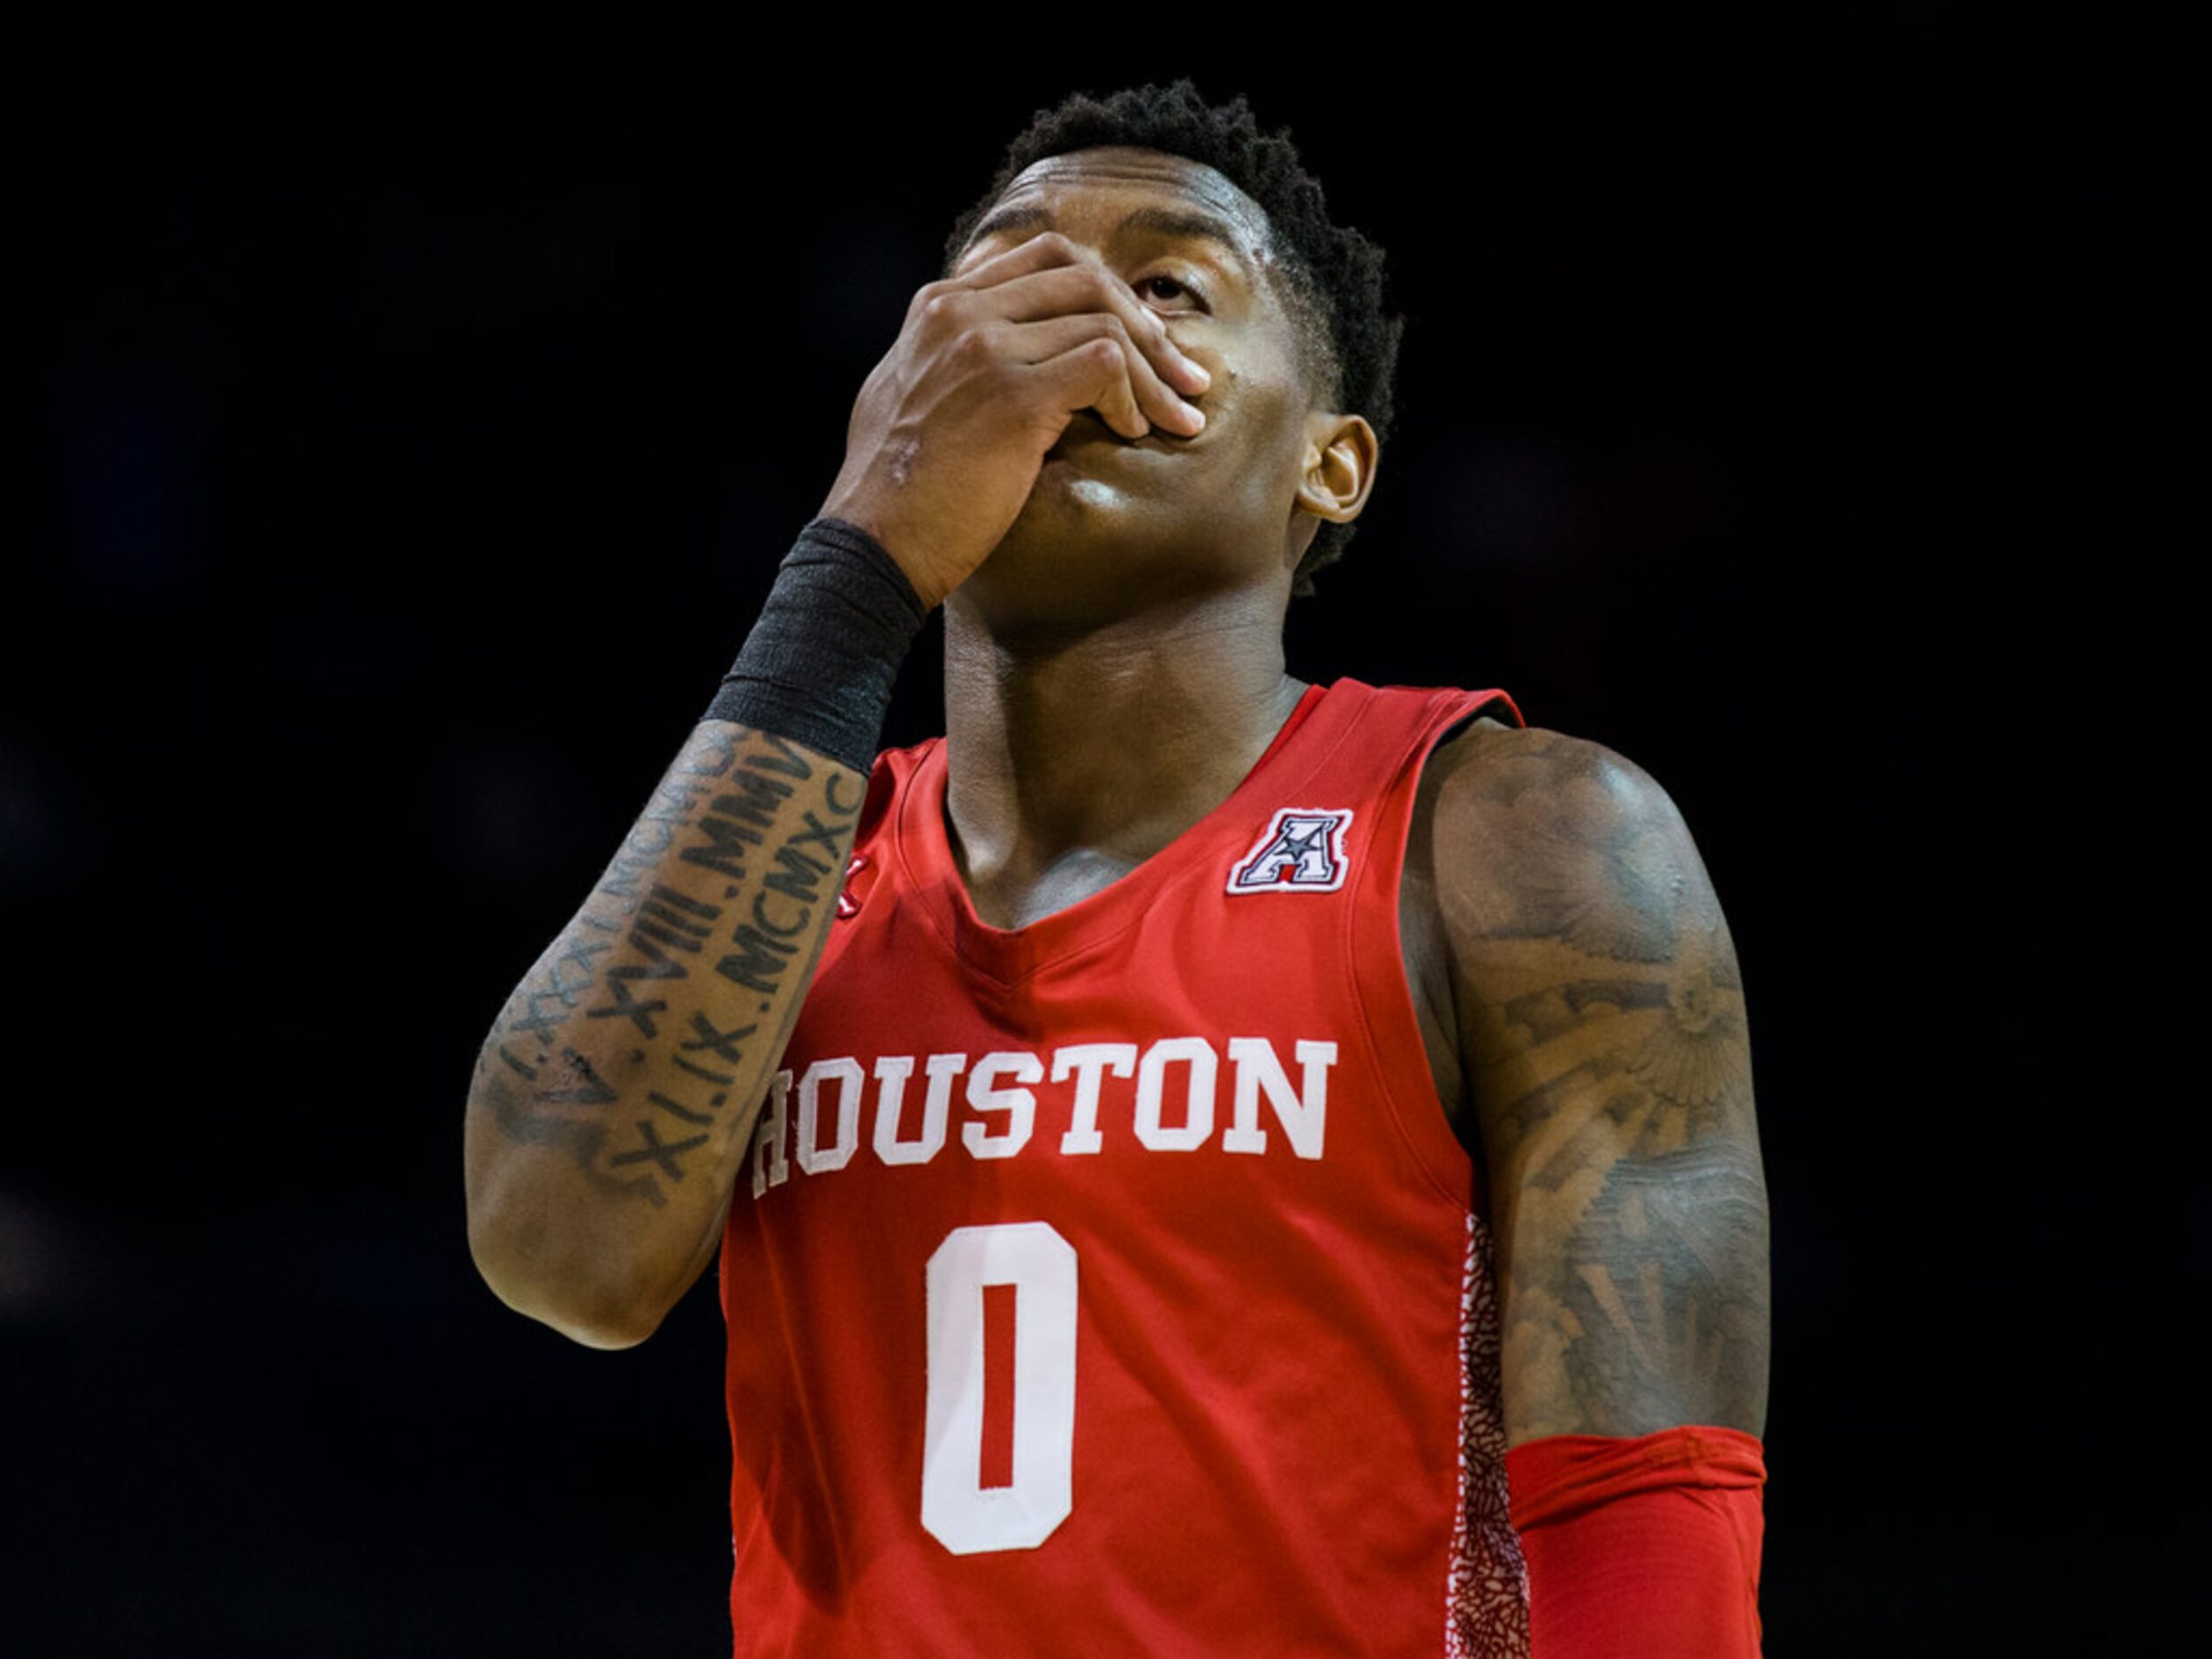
1348 341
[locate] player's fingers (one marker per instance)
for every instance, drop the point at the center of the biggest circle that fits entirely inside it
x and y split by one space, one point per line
1087 286
1048 338
949 296
1093 373
1041 252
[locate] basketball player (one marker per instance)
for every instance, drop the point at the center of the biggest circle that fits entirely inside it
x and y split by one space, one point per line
1202 1163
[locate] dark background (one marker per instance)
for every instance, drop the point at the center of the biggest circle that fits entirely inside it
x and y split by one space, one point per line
416 412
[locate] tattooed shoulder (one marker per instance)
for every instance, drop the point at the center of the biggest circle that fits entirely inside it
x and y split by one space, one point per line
1601 1025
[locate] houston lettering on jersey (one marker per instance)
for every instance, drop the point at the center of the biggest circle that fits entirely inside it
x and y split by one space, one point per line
1170 1103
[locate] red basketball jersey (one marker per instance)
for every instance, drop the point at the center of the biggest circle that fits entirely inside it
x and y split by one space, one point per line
1115 1284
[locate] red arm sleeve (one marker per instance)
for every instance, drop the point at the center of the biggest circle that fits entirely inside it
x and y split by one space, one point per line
1646 1546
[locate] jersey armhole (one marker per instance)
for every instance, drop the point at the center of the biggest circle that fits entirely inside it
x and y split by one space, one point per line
1386 996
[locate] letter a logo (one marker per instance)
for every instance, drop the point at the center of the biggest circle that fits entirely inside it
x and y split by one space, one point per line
1303 851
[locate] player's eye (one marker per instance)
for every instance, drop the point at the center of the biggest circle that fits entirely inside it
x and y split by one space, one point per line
1169 288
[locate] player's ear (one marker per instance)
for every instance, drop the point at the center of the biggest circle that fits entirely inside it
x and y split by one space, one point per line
1340 458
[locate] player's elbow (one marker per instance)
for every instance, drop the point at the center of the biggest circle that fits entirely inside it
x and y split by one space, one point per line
586 1308
607 1324
597 1332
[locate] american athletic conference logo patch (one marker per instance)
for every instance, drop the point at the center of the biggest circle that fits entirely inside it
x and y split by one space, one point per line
1303 851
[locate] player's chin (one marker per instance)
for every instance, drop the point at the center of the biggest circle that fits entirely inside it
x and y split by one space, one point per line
1082 524
1104 509
1072 500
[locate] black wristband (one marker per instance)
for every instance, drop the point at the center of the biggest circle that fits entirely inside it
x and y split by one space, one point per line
818 664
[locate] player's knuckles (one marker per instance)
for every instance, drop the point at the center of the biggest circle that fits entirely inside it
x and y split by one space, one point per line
1112 328
941 313
1087 332
924 297
1110 355
1089 373
976 350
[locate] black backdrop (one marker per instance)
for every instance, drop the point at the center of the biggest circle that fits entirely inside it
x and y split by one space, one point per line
416 411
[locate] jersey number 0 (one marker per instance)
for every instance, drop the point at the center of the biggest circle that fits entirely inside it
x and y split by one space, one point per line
958 1510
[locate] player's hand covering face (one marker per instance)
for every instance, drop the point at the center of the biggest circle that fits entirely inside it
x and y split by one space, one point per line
1103 399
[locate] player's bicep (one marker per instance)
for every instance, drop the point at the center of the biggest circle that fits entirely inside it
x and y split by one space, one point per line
1602 1020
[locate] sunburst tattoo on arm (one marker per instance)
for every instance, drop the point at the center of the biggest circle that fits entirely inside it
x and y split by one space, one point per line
1602 1016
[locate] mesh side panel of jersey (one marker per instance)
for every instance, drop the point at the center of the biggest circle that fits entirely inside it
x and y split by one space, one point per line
1487 1606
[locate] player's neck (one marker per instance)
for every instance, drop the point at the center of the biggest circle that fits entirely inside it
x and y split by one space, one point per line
1112 741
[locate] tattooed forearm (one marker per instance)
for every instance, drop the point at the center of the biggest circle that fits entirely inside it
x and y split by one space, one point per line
1602 1011
637 1050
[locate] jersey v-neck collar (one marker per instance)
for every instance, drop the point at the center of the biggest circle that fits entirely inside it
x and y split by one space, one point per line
1324 715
